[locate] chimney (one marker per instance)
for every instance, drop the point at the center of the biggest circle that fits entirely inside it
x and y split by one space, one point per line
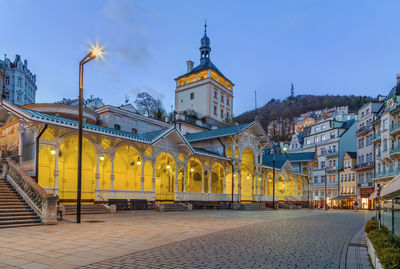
189 66
398 79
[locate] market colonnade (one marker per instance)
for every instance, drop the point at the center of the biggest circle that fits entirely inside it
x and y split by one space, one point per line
164 171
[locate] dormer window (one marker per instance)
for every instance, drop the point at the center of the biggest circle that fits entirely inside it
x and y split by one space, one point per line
134 131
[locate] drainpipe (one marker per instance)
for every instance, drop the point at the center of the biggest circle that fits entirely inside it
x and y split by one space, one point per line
37 152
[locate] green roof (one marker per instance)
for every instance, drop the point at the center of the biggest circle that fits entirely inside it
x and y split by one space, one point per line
57 120
227 131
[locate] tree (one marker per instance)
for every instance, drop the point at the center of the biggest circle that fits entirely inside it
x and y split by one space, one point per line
149 106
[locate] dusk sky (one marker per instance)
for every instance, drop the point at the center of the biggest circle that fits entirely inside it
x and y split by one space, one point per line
323 47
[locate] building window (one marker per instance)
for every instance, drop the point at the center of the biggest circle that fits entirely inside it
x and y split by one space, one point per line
134 131
215 110
222 98
215 94
117 126
227 101
227 115
191 95
20 82
7 80
222 113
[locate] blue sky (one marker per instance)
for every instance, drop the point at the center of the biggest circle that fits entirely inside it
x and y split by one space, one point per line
323 47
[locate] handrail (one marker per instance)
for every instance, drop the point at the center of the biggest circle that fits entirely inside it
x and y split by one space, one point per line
44 204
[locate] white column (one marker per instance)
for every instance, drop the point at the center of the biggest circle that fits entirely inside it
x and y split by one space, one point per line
209 181
97 172
202 185
56 170
112 175
176 178
21 143
142 177
239 183
184 182
224 181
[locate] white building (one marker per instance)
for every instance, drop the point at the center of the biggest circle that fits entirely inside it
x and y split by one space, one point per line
330 139
205 90
18 84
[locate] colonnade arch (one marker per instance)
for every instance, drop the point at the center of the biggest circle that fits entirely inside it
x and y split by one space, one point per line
247 175
165 172
127 168
217 178
194 175
68 173
46 166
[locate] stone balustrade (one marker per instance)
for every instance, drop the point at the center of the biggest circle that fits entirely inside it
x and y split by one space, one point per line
44 204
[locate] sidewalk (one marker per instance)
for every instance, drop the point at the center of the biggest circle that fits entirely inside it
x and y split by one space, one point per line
356 255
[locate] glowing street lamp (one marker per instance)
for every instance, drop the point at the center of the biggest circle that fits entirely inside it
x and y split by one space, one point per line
95 52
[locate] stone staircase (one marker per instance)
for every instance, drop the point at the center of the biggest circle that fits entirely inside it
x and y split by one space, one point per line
86 209
14 211
170 207
255 207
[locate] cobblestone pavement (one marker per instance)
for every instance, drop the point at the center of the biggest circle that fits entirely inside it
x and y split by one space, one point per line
314 241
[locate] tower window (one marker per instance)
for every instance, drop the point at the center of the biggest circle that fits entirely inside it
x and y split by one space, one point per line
134 131
215 110
215 94
117 127
222 98
222 113
191 95
227 101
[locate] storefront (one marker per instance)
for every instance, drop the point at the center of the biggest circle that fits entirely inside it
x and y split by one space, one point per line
364 201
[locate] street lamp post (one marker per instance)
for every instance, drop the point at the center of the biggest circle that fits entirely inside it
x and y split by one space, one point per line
94 53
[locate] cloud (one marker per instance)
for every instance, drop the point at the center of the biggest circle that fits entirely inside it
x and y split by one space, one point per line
129 37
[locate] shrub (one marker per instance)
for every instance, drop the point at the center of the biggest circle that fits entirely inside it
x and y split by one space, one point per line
372 224
387 251
389 257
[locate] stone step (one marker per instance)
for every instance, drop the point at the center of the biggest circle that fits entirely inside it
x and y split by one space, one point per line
12 206
20 225
24 217
12 222
9 199
24 213
15 210
14 203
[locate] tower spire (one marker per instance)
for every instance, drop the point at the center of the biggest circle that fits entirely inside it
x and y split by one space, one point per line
205 48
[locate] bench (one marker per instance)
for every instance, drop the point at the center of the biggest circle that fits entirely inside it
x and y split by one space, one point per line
122 204
138 204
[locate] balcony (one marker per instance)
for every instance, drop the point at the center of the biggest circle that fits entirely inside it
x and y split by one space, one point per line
364 130
376 137
331 154
378 155
365 185
362 166
395 151
386 174
331 169
395 129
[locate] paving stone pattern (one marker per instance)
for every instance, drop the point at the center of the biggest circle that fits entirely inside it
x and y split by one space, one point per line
305 242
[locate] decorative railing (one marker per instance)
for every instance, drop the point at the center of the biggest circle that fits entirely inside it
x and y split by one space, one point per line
44 204
364 129
395 127
104 195
395 150
364 165
389 173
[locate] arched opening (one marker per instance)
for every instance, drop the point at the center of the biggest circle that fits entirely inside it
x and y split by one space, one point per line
247 175
46 167
181 178
217 178
165 177
194 172
68 169
282 188
148 176
127 168
105 172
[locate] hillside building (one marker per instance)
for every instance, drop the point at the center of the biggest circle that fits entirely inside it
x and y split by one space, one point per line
330 139
18 84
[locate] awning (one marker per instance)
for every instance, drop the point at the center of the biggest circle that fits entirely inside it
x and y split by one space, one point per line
373 195
343 197
392 188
